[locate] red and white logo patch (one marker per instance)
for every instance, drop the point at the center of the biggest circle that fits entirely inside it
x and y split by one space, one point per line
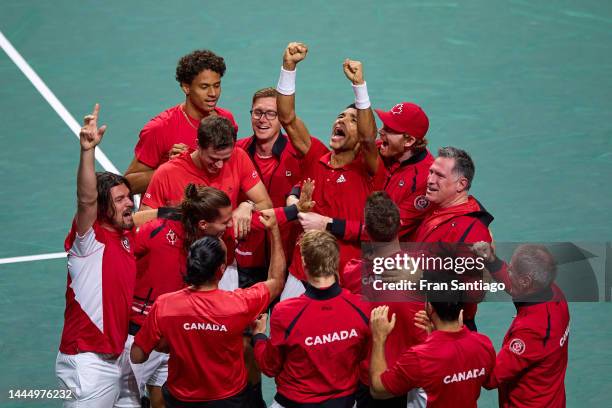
171 237
397 109
125 243
288 173
254 174
517 346
421 203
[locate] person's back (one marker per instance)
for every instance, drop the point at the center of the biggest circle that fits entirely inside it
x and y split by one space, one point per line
452 367
204 330
322 336
318 339
201 326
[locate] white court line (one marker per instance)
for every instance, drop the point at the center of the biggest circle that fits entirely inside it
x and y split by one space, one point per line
66 117
51 99
30 258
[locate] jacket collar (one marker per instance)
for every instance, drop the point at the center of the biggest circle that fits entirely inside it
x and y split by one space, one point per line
324 293
543 296
277 148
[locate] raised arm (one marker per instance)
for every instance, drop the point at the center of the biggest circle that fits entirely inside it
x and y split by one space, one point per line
366 125
276 271
381 327
87 190
285 98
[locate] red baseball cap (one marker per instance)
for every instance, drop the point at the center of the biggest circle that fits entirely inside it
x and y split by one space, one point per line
405 117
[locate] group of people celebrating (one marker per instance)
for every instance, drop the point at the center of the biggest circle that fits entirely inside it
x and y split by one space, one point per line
169 306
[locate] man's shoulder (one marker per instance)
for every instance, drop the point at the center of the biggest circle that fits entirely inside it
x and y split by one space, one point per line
226 113
163 119
176 164
288 308
171 298
357 302
259 289
152 228
244 143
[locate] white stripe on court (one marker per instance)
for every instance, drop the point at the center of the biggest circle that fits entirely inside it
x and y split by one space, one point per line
31 258
51 99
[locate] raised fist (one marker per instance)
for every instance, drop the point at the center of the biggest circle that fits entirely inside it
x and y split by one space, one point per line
294 53
90 135
353 71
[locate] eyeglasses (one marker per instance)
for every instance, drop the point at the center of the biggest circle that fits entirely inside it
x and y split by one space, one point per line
270 115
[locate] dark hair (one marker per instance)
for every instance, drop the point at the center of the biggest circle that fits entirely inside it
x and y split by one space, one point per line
351 106
192 64
200 203
464 166
204 259
216 132
104 182
320 252
420 144
446 304
536 262
264 93
382 219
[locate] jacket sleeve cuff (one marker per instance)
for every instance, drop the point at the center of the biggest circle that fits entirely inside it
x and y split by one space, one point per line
295 191
291 212
170 213
495 266
258 337
337 227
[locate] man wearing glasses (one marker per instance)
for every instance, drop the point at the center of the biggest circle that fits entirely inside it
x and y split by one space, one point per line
280 167
279 164
403 148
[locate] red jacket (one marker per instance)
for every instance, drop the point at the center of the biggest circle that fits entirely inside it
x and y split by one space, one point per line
531 365
405 334
406 183
316 343
450 367
467 222
463 223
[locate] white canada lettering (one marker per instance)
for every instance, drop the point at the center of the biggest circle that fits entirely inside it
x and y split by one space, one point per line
330 337
464 375
205 326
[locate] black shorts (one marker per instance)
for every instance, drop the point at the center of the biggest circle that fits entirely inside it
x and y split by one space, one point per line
365 399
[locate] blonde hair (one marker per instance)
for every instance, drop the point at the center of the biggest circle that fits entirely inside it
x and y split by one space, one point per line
320 253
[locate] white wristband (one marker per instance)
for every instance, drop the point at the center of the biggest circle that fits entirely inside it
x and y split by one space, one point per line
362 99
286 82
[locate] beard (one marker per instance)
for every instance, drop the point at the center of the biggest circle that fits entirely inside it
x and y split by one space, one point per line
123 223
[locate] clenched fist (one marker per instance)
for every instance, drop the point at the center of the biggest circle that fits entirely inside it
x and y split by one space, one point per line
353 71
294 53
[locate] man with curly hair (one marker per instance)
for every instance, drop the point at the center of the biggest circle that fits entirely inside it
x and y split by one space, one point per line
175 130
